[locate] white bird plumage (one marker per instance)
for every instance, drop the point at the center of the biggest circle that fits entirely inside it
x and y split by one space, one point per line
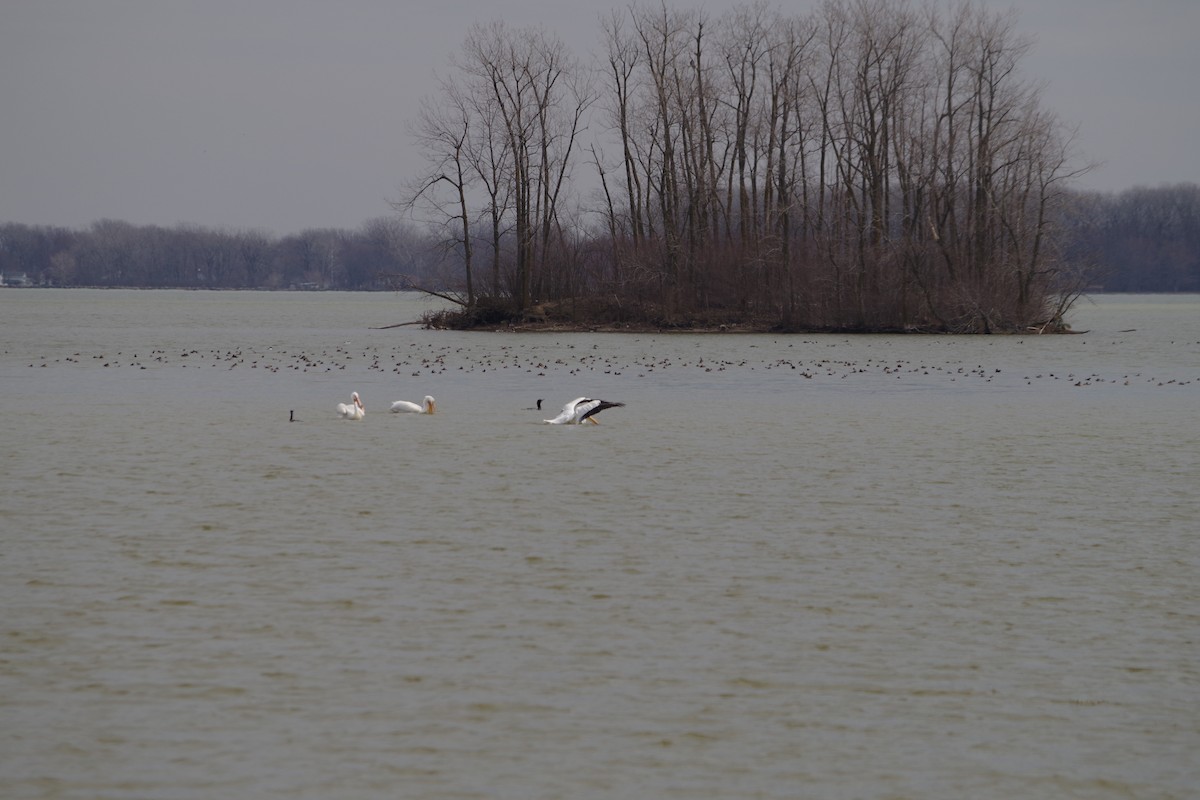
352 410
428 406
581 409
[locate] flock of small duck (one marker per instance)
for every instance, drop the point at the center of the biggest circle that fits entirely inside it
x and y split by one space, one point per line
424 359
429 359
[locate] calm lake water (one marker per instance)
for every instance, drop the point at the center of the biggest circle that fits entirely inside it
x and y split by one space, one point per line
790 567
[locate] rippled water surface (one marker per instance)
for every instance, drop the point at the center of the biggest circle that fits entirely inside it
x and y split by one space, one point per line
801 566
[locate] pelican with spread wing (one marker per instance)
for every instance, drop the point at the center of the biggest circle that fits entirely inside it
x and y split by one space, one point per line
581 409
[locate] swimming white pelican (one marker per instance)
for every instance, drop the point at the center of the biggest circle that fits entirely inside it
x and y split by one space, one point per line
352 410
580 409
428 406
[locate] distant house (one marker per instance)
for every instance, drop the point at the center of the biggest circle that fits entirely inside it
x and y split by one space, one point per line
14 279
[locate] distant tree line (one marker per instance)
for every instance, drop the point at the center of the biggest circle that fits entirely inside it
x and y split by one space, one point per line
115 253
1140 240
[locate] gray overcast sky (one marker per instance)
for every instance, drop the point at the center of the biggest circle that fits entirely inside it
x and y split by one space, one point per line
282 115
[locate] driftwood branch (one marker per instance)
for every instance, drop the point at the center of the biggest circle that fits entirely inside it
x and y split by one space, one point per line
398 325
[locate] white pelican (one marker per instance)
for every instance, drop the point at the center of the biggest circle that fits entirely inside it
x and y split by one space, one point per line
352 410
580 409
428 406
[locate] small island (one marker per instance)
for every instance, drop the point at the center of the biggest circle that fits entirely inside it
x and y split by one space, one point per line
851 168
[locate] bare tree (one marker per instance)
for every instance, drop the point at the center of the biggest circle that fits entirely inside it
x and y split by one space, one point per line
623 61
443 131
538 95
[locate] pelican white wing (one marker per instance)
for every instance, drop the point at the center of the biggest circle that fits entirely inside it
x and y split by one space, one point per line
567 415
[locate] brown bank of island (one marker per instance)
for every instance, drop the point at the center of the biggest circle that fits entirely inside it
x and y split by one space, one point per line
611 314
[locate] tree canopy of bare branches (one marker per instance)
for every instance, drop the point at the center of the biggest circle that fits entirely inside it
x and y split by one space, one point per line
868 165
